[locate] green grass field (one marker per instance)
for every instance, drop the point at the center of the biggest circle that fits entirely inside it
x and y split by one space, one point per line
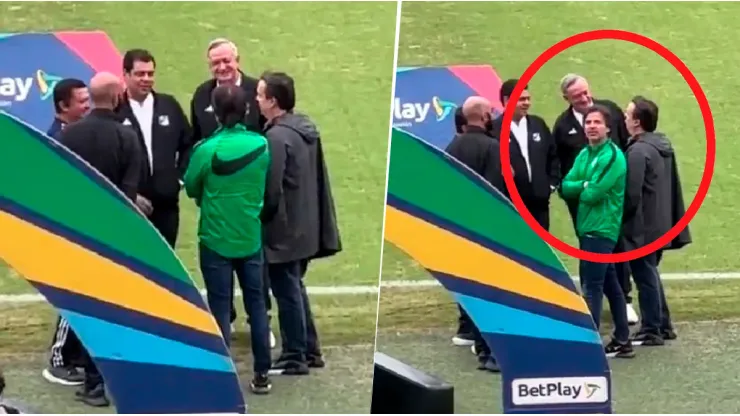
416 324
341 56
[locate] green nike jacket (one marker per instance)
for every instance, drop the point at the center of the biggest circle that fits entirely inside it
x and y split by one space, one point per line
226 176
597 180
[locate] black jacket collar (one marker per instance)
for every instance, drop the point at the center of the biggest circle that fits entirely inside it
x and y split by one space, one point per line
104 113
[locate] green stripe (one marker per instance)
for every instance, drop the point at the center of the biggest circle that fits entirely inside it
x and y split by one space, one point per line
34 176
421 177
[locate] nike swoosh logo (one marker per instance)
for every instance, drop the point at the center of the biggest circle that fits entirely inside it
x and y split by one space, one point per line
230 167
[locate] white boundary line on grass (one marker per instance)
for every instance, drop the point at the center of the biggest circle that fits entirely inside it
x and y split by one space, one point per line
369 289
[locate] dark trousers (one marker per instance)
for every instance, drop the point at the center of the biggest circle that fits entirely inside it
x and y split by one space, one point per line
623 272
268 300
666 322
300 339
464 323
647 280
599 280
92 375
541 215
66 348
622 269
166 219
218 276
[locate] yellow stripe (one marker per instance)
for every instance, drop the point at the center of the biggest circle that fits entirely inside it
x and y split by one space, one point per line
46 258
440 250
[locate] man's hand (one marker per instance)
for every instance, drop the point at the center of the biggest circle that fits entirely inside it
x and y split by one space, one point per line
144 205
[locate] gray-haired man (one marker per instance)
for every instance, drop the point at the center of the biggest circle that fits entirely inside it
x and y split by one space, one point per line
223 62
570 138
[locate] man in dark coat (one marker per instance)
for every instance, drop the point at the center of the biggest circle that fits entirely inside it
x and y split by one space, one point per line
113 150
476 148
71 104
647 210
299 219
479 151
464 337
653 205
570 138
223 62
532 153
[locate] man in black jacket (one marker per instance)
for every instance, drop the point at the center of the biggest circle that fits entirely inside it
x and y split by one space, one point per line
479 151
648 213
465 335
299 219
533 154
164 133
112 149
570 138
223 62
476 148
71 104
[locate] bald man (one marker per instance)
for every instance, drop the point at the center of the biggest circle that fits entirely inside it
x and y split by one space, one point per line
476 148
479 151
113 150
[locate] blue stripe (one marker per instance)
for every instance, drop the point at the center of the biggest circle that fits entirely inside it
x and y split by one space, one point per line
156 389
405 68
178 287
525 357
500 319
512 300
560 277
84 305
116 342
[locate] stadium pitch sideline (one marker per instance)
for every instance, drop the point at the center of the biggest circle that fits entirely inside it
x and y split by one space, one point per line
369 289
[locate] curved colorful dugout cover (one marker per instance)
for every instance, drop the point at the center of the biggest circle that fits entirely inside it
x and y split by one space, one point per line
426 98
86 248
27 83
511 283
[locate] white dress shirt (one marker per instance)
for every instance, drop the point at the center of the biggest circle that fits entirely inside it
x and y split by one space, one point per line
144 113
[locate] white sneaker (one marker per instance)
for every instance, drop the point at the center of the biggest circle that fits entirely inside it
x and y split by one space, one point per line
459 341
632 317
273 341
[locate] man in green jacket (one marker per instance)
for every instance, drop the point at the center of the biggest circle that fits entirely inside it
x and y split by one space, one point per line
597 181
226 177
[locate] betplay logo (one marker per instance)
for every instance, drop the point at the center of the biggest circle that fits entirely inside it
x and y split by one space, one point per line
565 390
406 112
17 89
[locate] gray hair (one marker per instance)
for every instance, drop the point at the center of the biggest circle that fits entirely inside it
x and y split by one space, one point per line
568 81
222 41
